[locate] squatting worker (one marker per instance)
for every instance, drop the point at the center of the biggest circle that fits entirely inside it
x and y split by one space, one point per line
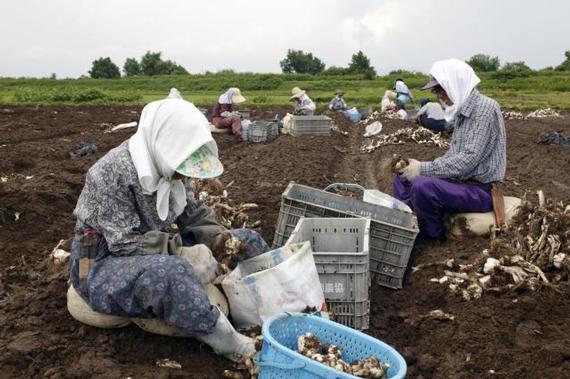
431 116
461 179
304 106
223 113
338 103
131 195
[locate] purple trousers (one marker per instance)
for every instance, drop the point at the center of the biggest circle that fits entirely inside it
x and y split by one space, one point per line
430 198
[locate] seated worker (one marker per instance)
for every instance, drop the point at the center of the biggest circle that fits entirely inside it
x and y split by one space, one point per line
461 179
123 260
431 116
338 103
304 106
223 114
403 93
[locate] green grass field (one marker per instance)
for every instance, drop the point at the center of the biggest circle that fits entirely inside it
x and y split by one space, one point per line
540 90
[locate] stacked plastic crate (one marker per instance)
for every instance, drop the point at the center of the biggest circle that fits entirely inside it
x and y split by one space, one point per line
340 251
392 232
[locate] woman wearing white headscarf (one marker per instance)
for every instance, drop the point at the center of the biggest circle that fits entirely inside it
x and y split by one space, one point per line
461 179
124 261
223 114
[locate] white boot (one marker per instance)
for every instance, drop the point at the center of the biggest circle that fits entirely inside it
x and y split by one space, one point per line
226 341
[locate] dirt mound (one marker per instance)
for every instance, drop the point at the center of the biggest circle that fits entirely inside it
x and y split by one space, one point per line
514 335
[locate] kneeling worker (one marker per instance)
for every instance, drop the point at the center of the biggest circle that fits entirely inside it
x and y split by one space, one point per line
431 116
304 106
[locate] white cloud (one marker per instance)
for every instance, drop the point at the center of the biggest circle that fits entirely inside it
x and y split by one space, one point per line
65 36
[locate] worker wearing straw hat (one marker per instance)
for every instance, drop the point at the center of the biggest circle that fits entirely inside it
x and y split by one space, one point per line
338 103
223 113
303 104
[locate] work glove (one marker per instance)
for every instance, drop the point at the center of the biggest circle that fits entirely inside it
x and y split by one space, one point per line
412 170
226 114
202 260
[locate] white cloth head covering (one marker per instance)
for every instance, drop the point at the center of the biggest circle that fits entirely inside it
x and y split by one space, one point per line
169 132
231 96
458 79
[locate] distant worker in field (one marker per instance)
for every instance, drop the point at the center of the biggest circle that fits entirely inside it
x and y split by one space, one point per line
403 93
223 114
304 106
338 103
464 178
431 116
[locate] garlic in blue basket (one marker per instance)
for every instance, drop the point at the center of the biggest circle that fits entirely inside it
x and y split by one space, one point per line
308 344
331 355
370 367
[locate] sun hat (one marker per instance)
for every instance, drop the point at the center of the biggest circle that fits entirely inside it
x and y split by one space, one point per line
339 92
432 83
297 92
237 97
201 164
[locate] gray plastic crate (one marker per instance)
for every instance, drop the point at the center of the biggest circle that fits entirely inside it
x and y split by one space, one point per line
354 314
310 125
392 232
261 131
340 251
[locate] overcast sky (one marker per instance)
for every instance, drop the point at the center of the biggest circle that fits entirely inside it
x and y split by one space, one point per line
40 37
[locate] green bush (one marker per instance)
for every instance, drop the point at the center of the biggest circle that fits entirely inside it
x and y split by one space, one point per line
513 70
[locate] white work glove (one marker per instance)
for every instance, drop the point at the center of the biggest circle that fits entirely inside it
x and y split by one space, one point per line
411 171
226 114
202 260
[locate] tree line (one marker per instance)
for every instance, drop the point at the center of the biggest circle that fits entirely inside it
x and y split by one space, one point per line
300 62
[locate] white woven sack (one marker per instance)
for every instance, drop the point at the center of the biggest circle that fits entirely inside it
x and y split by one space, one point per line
480 224
82 312
281 280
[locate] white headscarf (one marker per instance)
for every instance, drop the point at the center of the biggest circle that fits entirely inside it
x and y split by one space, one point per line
458 79
226 97
169 132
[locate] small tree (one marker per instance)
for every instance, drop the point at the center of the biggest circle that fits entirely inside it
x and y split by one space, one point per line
360 64
300 62
104 68
152 64
484 63
565 66
131 67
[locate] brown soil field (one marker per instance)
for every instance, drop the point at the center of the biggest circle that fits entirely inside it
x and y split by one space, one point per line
518 335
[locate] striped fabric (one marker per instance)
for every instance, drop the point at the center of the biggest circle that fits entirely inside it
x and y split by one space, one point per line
478 147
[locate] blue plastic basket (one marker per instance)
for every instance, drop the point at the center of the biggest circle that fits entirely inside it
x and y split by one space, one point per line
279 357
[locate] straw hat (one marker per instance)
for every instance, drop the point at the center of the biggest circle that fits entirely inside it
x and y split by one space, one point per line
297 93
339 92
237 97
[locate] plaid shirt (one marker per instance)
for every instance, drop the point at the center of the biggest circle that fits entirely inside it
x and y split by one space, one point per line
478 147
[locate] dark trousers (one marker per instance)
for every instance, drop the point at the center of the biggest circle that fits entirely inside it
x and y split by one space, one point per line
432 124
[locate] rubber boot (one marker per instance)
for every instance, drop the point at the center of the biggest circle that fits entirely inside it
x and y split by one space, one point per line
226 341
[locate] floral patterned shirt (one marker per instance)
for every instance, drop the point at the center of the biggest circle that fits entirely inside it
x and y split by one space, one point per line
113 203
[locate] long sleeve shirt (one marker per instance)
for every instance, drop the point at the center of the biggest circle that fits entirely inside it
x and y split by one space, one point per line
402 89
478 148
305 106
112 203
337 104
221 108
432 110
